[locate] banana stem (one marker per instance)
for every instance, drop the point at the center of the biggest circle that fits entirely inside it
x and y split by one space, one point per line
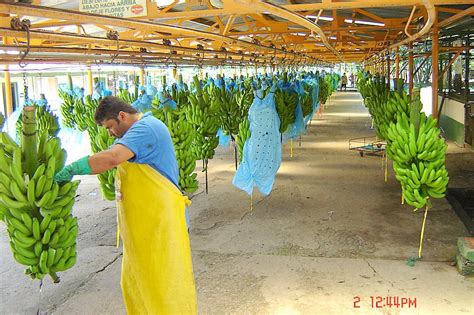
235 153
291 148
207 184
251 202
422 232
29 139
55 277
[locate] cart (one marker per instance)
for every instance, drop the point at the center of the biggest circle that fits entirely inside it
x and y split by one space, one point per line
368 145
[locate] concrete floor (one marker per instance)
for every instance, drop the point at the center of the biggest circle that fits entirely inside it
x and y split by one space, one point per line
331 233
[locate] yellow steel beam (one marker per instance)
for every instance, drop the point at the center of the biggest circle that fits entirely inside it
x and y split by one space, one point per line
288 15
370 15
97 53
8 92
368 4
304 7
434 71
90 82
87 18
228 25
456 17
51 23
356 29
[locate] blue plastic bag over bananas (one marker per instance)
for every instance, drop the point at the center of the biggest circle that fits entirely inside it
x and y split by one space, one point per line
157 274
143 102
314 83
100 91
297 128
165 100
224 139
262 151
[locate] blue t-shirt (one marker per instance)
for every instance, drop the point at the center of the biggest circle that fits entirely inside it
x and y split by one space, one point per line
150 141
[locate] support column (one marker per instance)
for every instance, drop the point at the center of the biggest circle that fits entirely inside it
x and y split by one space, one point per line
382 65
90 83
397 63
410 69
8 91
435 67
466 78
142 76
388 70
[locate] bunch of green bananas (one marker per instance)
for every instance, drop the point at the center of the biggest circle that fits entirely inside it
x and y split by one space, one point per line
128 97
307 102
179 96
286 102
242 136
36 210
67 108
203 147
244 99
376 99
2 121
323 90
202 116
418 154
45 119
81 112
227 109
182 135
100 140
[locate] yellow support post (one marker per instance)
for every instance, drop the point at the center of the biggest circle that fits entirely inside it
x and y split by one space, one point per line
90 81
410 69
8 91
142 76
435 67
397 64
388 70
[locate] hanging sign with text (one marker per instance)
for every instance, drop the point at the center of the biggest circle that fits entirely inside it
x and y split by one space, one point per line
119 8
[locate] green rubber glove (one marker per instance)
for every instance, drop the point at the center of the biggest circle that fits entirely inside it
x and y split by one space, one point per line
79 167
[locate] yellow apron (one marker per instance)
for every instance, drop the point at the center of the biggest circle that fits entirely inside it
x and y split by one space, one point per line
157 273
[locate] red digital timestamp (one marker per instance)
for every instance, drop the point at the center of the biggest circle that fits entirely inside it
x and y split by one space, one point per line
389 301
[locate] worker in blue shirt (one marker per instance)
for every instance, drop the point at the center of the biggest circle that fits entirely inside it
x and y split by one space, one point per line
144 140
141 138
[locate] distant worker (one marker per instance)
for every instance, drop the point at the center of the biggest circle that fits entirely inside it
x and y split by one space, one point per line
344 82
351 79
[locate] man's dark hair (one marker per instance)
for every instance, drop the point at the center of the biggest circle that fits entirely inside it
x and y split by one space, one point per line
110 107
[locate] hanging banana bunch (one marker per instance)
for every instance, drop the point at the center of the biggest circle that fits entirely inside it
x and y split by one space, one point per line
183 136
418 153
307 101
376 100
286 102
227 109
323 90
36 210
67 108
45 120
100 140
244 98
128 97
2 121
180 95
242 136
202 116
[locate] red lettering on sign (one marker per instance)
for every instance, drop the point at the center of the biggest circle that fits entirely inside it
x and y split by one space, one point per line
136 9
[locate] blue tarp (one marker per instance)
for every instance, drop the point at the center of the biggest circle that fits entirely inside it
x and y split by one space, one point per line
262 151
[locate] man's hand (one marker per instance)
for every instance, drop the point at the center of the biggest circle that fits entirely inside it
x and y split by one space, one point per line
79 167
